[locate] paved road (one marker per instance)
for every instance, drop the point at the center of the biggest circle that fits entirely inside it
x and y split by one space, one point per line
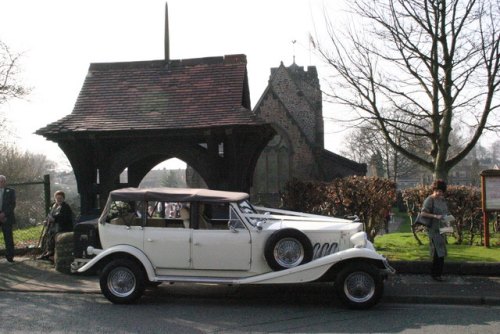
182 312
30 276
36 298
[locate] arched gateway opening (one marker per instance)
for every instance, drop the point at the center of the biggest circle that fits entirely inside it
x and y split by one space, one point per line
169 173
135 115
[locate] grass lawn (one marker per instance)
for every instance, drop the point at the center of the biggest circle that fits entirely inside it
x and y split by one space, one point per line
24 238
402 245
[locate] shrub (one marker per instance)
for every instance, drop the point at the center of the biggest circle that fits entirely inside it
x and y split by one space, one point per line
370 198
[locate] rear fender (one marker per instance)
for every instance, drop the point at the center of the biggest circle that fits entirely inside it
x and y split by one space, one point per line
102 255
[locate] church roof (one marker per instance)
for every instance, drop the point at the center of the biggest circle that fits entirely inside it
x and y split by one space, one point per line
333 165
160 95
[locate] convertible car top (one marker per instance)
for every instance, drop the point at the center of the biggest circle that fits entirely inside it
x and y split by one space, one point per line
176 195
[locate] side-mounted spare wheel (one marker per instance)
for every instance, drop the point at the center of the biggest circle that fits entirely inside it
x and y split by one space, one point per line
287 248
359 285
122 281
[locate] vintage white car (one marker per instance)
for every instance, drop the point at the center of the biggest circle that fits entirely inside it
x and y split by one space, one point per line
149 236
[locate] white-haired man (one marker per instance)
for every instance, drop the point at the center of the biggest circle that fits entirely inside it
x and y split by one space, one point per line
7 218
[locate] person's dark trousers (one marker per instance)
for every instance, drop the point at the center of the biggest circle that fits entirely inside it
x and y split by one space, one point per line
51 242
437 265
9 240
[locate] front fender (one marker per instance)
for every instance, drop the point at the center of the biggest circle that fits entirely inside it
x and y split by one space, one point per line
136 253
313 270
368 252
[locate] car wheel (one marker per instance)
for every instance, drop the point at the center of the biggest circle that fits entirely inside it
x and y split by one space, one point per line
122 281
359 285
287 249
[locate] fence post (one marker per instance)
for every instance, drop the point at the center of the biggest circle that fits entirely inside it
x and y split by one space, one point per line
46 188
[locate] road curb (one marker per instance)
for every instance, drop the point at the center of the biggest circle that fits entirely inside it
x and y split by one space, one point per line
451 300
450 268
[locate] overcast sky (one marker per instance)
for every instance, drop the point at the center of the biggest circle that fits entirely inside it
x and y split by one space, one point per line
60 38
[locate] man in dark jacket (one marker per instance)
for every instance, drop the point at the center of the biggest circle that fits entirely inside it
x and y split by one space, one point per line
7 219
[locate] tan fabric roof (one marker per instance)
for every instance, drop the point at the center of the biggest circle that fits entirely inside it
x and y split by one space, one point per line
176 195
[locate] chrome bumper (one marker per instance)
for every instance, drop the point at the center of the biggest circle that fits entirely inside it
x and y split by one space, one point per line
388 270
77 264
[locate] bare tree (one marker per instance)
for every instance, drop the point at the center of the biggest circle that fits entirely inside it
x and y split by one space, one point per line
22 167
9 85
367 144
495 152
436 62
9 71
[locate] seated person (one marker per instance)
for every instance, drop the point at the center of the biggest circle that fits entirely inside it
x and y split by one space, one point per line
185 215
151 211
59 219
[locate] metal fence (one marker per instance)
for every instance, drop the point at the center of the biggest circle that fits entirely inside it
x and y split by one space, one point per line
33 200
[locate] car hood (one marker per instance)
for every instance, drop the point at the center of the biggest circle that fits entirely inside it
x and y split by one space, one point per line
332 224
312 226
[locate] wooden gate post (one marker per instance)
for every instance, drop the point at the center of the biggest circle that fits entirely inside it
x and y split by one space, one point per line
47 194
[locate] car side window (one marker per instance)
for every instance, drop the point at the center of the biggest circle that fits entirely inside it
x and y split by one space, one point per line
125 213
213 216
168 215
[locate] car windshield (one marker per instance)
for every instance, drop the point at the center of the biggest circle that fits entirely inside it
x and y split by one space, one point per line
247 208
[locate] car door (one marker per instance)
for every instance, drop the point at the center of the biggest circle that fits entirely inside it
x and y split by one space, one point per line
167 247
216 246
123 225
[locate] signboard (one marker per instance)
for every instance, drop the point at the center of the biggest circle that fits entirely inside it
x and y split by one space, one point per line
490 181
490 194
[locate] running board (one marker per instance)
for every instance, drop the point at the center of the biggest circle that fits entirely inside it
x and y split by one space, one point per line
197 279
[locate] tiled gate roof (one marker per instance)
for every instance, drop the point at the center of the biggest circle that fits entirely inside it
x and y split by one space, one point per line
159 95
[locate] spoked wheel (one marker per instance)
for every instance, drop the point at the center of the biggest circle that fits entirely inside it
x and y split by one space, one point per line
288 252
287 249
122 281
359 285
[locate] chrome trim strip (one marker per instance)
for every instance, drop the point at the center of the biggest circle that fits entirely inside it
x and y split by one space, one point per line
197 279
